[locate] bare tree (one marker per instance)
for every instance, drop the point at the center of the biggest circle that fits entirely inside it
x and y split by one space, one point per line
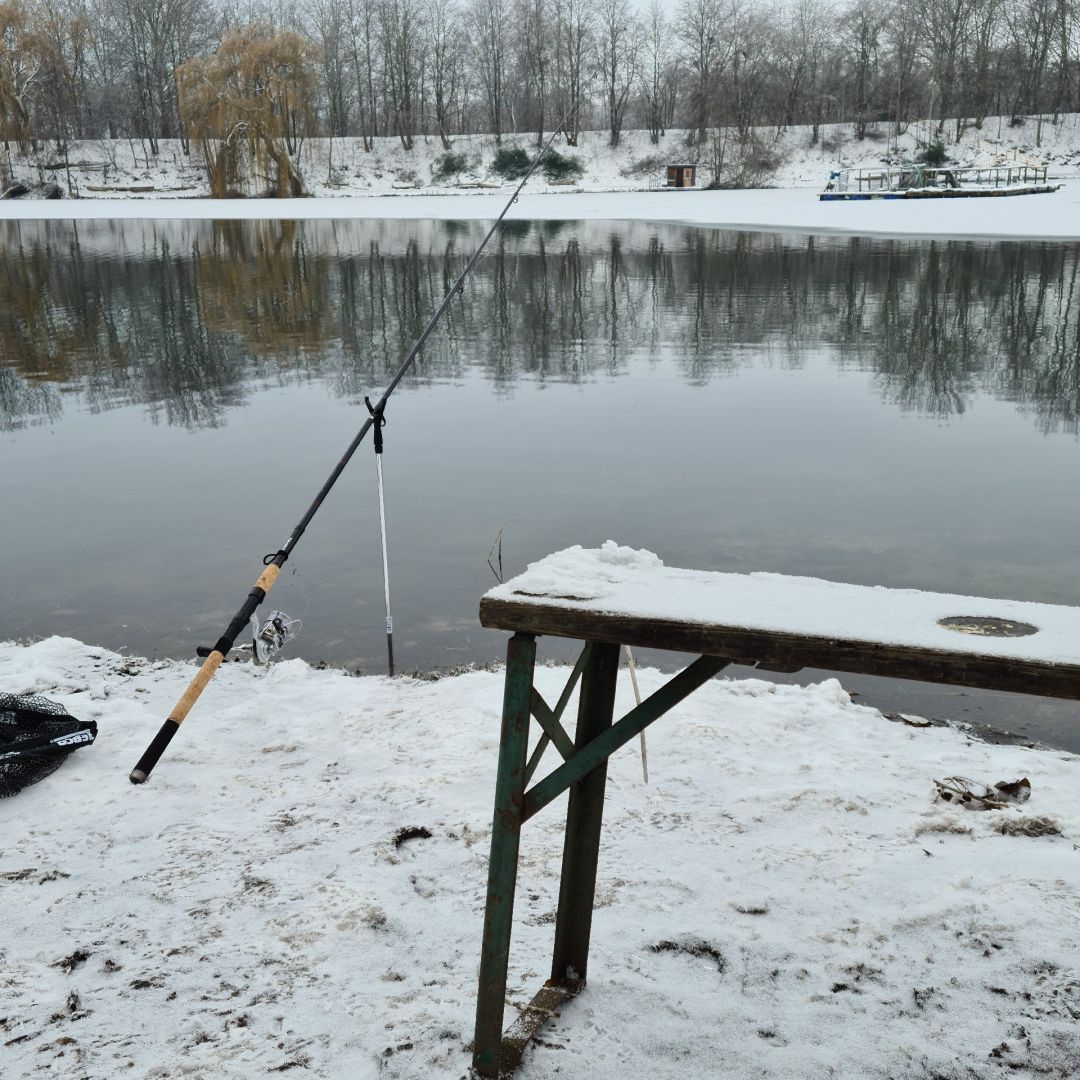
574 29
1065 20
945 23
86 68
620 44
699 28
1031 25
401 26
748 67
154 37
446 49
813 33
364 50
861 39
59 43
534 48
327 22
979 53
902 33
654 70
488 22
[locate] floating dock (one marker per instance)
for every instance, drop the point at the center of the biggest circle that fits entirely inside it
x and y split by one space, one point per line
937 182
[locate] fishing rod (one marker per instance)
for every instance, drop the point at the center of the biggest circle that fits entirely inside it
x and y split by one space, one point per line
274 562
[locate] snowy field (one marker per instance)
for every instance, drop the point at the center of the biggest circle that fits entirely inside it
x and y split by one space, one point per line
1052 217
299 888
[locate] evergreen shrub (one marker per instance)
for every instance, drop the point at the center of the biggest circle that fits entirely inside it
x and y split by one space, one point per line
558 166
448 165
933 153
511 163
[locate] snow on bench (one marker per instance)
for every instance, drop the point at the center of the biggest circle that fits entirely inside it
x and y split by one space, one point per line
624 596
617 596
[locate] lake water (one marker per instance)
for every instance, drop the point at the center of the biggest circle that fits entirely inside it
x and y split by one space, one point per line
173 394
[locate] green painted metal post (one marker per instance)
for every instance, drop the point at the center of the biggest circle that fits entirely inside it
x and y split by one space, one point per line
584 818
503 866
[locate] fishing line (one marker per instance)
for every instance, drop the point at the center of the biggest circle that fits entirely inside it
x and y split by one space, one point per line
275 560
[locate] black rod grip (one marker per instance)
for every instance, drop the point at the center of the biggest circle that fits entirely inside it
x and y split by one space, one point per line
141 773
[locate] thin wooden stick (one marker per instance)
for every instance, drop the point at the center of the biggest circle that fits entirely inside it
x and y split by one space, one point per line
637 700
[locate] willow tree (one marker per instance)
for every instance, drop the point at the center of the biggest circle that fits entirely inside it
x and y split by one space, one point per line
248 106
20 67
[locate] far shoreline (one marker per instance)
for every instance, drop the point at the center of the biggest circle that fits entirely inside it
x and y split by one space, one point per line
1043 217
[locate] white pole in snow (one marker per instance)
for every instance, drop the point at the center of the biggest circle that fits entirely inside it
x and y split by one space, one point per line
378 422
385 570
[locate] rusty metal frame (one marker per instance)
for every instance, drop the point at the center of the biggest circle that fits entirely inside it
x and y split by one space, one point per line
584 773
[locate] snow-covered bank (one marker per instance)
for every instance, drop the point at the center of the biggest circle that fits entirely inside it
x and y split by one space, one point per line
341 167
784 900
1042 217
123 179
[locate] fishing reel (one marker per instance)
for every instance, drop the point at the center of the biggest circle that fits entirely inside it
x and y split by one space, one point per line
267 638
275 632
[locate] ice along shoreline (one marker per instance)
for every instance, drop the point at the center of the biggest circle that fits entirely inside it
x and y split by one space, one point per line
1047 217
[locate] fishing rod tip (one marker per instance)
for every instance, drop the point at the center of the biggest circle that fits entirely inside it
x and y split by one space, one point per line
137 776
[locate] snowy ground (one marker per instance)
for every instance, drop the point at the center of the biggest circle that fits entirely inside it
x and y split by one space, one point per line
342 167
783 900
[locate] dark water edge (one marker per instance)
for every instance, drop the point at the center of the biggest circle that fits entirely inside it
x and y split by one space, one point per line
899 412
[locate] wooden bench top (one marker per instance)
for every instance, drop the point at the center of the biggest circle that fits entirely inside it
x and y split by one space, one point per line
620 595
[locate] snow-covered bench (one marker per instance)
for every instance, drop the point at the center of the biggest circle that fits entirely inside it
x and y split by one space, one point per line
616 596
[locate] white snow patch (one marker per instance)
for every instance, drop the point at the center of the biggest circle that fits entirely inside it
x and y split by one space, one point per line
636 584
784 900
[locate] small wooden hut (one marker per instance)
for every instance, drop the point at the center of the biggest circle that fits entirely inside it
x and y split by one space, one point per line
682 174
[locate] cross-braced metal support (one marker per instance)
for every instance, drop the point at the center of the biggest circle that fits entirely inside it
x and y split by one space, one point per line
584 773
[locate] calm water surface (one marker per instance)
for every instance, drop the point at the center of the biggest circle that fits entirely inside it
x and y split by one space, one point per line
173 394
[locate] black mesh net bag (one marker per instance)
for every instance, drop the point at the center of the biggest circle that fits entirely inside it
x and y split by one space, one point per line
35 736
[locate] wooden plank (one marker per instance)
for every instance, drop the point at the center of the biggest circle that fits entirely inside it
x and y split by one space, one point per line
775 647
549 724
130 188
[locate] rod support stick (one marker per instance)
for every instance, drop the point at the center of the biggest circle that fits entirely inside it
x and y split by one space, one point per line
385 569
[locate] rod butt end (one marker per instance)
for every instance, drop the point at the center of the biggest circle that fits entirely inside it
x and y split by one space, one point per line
141 773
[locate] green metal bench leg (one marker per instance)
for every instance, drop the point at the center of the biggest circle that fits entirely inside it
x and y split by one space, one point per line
503 866
584 818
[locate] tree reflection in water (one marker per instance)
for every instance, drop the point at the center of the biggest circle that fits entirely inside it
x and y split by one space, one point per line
188 318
